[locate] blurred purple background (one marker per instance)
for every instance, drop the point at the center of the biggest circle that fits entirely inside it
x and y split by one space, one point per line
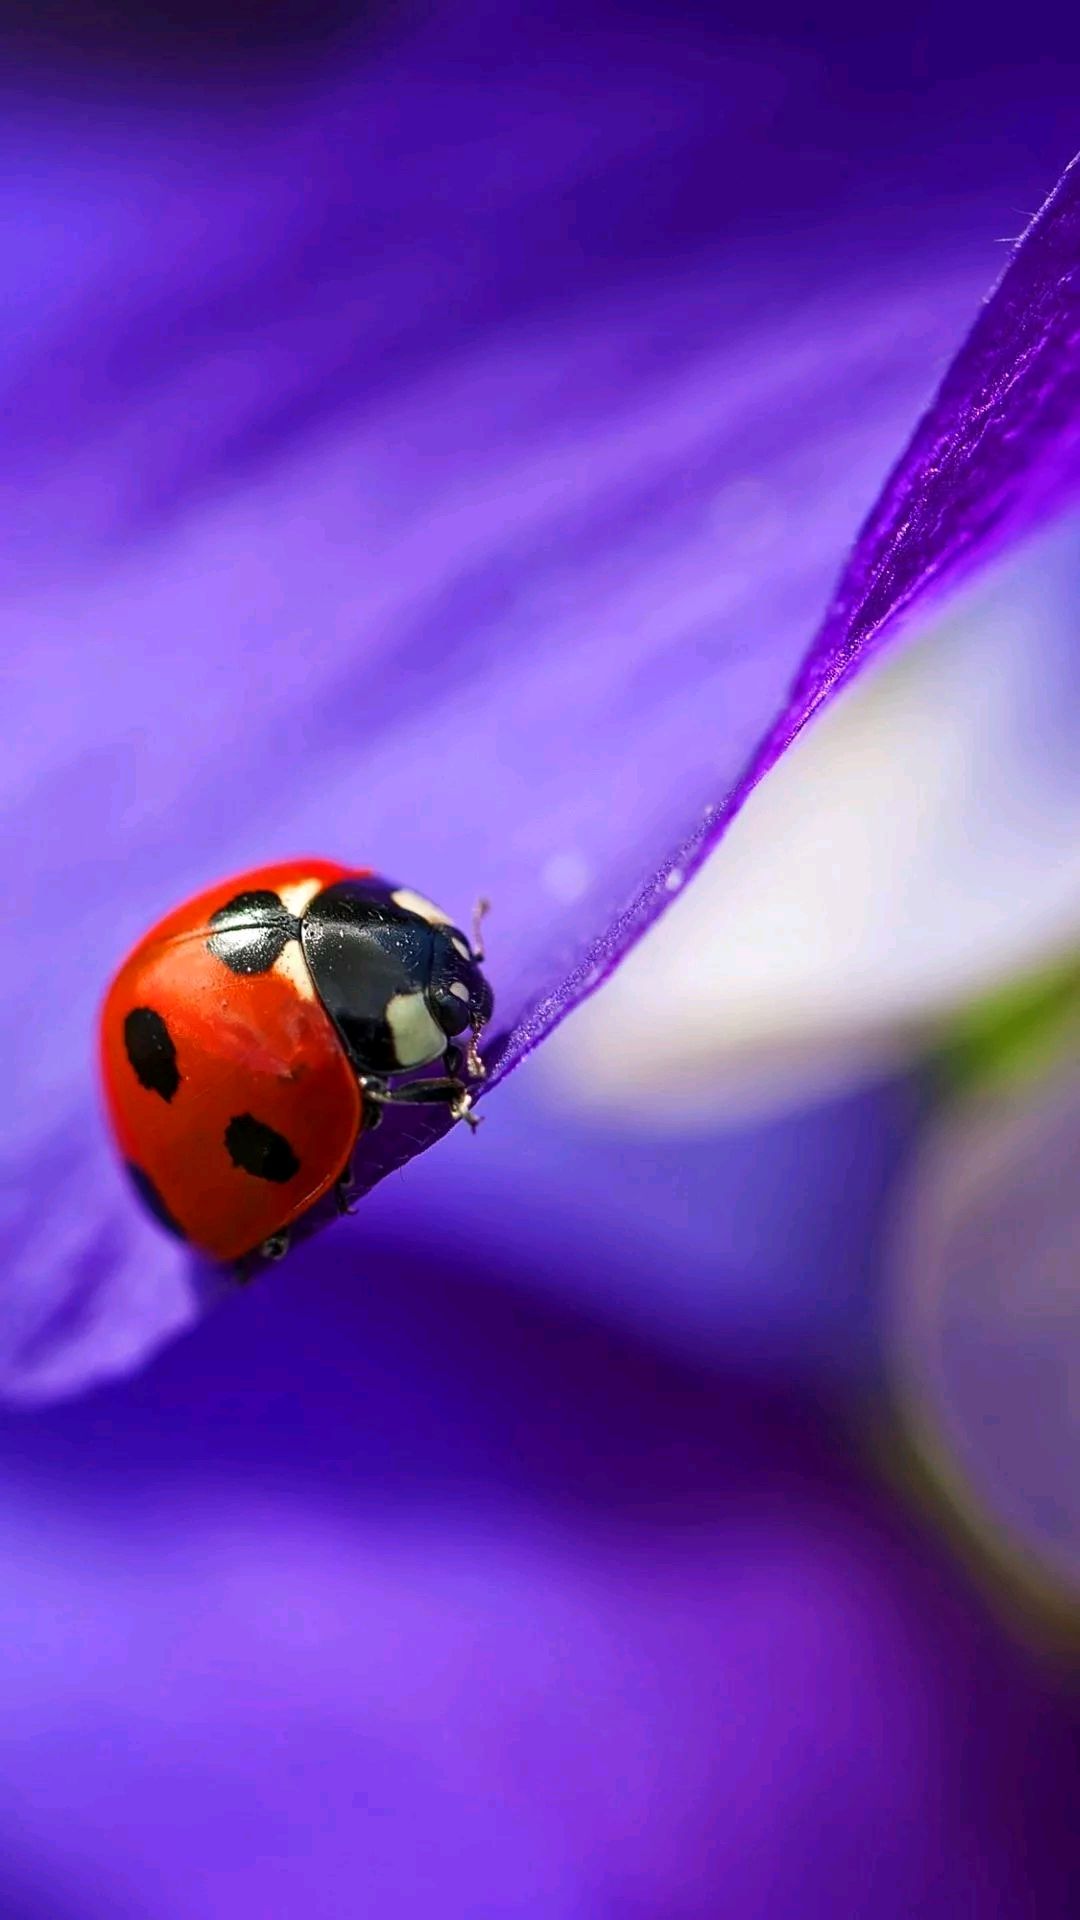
544 1542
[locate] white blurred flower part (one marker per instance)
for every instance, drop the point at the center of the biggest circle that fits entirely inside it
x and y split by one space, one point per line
919 844
986 1330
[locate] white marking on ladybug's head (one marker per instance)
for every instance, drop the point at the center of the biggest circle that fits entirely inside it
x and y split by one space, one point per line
460 949
416 903
299 895
458 988
417 1036
290 965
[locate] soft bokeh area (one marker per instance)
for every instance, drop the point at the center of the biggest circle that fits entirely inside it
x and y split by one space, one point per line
432 435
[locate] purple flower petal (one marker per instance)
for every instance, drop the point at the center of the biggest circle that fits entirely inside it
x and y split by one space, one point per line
919 845
758 1243
447 479
472 1608
998 451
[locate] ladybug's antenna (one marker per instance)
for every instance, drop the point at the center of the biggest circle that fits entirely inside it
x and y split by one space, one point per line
480 911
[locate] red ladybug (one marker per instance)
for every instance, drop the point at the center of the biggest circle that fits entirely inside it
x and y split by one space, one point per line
255 1032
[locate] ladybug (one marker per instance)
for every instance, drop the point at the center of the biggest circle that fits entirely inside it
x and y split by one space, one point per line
256 1032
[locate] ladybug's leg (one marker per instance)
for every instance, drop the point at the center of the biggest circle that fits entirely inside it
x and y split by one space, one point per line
415 1093
247 1269
344 1190
425 1093
464 1111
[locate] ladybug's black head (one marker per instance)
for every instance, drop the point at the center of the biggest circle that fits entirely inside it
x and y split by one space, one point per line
397 978
458 995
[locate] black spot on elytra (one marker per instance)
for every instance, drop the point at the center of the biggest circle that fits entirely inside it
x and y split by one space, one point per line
150 1049
258 1149
251 931
153 1201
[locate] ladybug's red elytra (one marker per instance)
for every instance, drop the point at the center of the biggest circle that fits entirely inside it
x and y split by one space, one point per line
258 1030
